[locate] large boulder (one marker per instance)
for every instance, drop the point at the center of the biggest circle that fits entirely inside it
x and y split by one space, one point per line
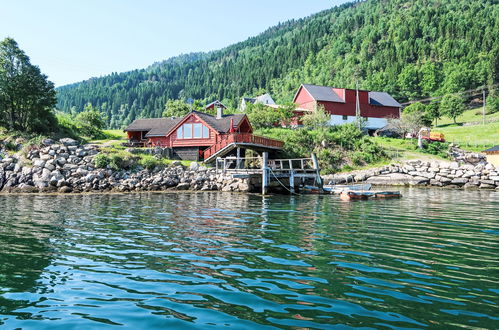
68 142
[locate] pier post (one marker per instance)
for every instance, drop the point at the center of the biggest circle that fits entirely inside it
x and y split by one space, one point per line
317 171
292 181
238 161
265 173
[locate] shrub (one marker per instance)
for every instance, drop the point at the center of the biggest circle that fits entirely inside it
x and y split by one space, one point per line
116 161
101 160
436 148
149 161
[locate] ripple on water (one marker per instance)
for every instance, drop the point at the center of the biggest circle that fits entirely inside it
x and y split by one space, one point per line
211 259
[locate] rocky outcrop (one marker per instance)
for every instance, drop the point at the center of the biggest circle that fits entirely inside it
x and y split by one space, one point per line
417 172
65 167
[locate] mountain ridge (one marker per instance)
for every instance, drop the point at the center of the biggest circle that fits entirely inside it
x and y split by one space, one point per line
407 48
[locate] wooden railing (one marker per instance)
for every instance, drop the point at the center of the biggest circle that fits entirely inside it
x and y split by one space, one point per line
226 139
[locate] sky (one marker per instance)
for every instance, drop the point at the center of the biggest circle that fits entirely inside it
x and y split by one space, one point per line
73 40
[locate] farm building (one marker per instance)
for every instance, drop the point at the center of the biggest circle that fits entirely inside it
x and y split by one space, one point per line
375 107
200 136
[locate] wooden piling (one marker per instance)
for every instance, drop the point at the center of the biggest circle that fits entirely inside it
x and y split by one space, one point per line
317 172
265 172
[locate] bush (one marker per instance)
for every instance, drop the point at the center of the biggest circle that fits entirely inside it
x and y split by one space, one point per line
335 146
436 148
101 160
116 161
149 161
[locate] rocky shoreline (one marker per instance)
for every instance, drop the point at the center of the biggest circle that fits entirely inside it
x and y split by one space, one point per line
423 173
68 167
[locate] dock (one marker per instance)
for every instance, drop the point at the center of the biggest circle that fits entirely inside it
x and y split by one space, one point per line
288 173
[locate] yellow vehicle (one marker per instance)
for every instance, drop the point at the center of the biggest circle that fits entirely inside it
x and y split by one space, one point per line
432 136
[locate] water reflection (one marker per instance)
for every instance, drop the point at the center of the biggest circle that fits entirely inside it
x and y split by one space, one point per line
214 259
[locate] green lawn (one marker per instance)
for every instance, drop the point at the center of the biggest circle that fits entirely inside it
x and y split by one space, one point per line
474 138
469 116
116 134
403 149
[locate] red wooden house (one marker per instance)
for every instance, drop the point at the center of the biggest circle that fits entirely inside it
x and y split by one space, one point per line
340 103
200 136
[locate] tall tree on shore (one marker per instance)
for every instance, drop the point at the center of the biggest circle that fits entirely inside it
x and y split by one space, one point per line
27 98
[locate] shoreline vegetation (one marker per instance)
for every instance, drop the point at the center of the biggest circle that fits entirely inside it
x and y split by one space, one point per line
67 166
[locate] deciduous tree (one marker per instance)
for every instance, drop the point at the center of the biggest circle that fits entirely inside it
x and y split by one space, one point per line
27 98
452 106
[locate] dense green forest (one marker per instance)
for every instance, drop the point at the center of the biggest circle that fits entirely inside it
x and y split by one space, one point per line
411 49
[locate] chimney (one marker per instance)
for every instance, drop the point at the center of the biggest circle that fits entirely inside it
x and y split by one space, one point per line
220 112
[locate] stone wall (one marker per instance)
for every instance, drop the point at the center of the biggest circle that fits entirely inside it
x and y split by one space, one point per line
424 173
68 167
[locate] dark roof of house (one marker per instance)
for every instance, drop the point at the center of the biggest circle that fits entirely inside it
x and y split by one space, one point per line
249 99
383 98
223 124
214 103
142 124
494 148
154 126
163 126
323 93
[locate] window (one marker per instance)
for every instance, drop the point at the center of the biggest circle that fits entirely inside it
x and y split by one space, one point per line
345 117
187 131
193 131
198 131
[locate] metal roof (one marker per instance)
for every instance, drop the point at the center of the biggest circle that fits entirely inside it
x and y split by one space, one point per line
383 99
323 93
494 148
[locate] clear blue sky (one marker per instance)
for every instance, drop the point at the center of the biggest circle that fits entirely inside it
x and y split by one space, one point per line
73 40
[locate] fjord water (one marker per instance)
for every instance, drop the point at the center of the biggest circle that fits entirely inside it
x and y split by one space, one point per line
212 260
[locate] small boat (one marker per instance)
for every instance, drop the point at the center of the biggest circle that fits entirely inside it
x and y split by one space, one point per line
338 188
355 195
387 194
363 195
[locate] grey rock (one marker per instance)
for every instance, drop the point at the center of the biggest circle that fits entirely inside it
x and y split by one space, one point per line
459 181
65 189
68 142
183 186
47 142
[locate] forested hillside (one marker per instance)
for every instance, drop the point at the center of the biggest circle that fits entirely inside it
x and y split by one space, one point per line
412 49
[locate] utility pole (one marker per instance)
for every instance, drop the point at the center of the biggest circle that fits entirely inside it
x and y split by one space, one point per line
484 104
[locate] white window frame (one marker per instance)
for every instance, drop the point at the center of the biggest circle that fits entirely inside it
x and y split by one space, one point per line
187 128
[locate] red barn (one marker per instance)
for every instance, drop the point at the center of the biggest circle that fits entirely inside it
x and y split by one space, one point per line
200 136
340 103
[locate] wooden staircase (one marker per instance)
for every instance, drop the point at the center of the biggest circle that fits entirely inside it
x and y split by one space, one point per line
228 142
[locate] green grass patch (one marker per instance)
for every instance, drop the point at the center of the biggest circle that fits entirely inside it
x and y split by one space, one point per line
473 138
115 134
469 116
